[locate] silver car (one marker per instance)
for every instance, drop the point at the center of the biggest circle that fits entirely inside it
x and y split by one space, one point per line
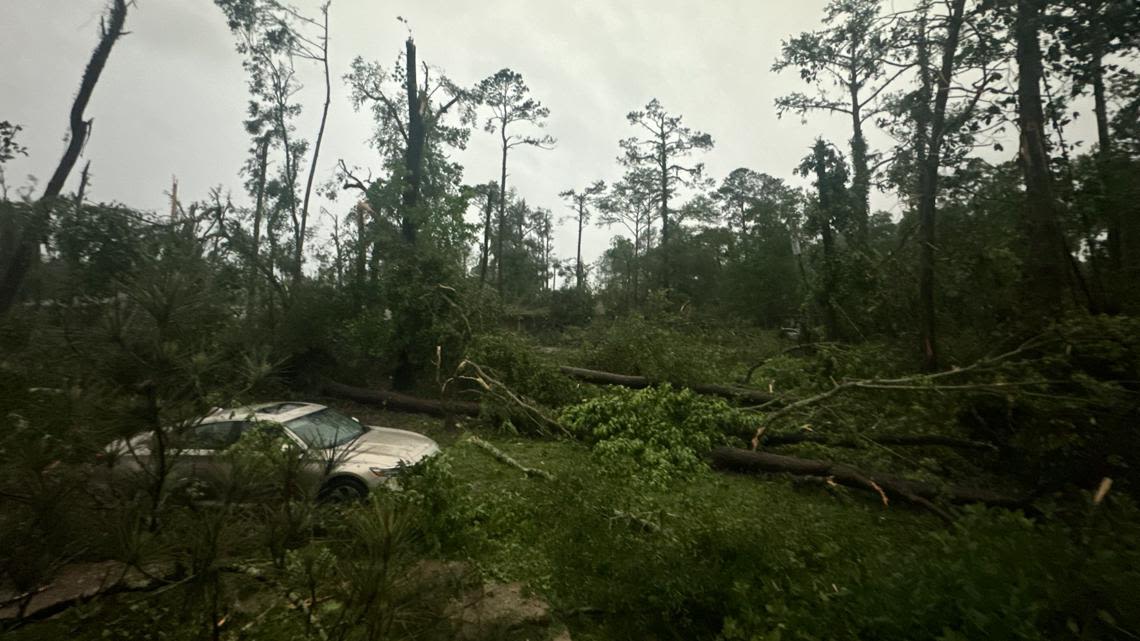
343 459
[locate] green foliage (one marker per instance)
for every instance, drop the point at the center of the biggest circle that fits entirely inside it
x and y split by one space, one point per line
661 432
733 557
515 361
571 307
633 345
1074 418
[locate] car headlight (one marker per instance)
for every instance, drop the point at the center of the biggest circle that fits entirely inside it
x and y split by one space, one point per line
380 472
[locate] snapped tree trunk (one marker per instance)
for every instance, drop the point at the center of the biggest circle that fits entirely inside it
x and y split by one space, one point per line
414 154
34 230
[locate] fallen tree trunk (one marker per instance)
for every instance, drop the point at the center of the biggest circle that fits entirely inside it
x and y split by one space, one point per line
918 440
739 460
639 382
400 402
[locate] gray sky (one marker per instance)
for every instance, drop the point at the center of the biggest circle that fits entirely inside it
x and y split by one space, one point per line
172 98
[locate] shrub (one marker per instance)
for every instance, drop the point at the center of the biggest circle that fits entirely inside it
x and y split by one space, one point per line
661 431
639 347
514 361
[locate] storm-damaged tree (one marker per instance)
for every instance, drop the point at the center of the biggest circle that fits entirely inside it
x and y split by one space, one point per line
1046 258
851 64
24 252
420 200
411 132
667 143
581 202
508 98
271 36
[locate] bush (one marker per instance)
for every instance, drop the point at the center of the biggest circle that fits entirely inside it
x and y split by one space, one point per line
639 347
571 307
662 432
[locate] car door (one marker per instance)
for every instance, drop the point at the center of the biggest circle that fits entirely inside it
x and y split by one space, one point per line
201 451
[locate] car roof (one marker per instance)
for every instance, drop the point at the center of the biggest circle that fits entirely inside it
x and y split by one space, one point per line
278 412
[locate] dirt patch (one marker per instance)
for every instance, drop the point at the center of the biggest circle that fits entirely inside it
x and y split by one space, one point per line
74 583
494 609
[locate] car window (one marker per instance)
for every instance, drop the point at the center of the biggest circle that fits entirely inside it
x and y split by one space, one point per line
325 429
211 436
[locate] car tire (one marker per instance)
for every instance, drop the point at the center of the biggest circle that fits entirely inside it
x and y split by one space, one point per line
343 490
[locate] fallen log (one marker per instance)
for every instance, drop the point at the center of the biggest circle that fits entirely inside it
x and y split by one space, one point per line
740 460
639 382
917 440
400 402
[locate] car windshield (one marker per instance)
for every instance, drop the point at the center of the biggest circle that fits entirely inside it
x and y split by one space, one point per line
325 429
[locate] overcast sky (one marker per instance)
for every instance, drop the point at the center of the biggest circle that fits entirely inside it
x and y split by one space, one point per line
172 98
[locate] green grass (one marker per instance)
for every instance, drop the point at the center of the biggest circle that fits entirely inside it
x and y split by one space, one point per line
728 556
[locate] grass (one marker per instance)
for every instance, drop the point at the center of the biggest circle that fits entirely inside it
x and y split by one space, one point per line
714 555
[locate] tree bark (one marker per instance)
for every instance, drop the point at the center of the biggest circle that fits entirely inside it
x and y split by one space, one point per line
861 181
640 382
664 162
399 402
502 213
830 321
486 257
581 219
298 258
739 460
928 183
414 154
917 440
1046 254
33 232
258 214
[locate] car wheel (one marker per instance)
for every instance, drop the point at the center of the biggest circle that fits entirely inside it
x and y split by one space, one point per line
343 490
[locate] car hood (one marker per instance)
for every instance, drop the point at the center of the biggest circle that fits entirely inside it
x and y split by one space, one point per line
386 448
